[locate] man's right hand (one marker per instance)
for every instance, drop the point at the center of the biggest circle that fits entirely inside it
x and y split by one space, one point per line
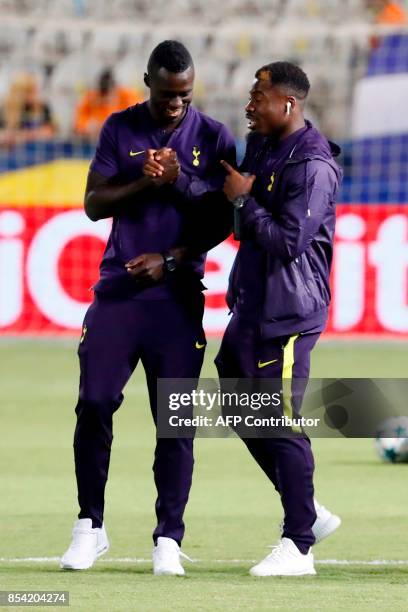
161 165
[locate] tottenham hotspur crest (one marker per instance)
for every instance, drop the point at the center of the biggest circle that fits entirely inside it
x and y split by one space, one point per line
196 155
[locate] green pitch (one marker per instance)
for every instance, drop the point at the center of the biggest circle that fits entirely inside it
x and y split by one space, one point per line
232 515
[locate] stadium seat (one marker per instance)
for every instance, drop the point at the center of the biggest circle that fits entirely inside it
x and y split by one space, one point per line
65 8
211 77
129 70
71 77
244 74
13 40
107 44
50 45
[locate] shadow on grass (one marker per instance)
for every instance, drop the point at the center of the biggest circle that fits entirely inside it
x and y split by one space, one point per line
234 572
373 464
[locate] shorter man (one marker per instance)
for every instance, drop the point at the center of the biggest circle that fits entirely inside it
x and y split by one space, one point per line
279 288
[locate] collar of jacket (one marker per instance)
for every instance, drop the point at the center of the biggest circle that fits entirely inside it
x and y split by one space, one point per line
312 145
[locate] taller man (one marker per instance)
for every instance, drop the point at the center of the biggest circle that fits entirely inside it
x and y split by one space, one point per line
146 307
279 286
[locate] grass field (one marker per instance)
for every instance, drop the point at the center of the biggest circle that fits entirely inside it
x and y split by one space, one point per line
232 515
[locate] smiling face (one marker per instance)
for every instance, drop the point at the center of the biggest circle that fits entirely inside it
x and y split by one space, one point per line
267 108
170 95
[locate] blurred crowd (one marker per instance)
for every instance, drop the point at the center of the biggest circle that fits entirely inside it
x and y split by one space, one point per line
62 82
25 115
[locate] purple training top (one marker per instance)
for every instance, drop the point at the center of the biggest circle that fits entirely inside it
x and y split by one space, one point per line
252 257
288 226
154 221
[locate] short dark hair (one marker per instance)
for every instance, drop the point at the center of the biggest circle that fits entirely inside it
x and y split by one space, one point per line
171 55
288 76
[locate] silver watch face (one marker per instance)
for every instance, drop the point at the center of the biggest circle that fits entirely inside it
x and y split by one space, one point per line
239 201
170 264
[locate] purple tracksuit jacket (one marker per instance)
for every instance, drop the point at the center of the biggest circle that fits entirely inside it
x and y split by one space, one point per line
288 228
156 220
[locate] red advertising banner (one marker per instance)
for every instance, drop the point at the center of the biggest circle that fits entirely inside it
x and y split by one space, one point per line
49 260
370 271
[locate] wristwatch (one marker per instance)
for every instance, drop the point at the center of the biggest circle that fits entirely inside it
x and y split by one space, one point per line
239 201
169 263
238 205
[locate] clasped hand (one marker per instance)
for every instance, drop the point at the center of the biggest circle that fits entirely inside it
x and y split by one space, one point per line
161 165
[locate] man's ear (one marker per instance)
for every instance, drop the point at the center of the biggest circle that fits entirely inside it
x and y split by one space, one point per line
293 102
146 80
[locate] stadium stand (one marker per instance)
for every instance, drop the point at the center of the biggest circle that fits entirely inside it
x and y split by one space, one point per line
67 43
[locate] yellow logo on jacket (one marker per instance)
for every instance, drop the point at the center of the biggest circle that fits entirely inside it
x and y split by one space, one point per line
196 155
272 182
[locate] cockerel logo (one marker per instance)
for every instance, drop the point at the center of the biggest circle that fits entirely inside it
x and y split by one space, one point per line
196 155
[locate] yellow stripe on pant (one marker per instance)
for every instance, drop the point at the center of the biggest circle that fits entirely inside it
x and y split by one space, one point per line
287 377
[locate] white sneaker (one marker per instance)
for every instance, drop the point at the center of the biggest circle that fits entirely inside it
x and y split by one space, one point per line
325 524
285 560
166 558
87 545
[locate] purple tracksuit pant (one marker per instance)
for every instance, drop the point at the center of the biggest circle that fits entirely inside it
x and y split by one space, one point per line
287 462
117 333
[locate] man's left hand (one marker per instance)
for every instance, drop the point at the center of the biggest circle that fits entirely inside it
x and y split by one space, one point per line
149 266
236 184
161 165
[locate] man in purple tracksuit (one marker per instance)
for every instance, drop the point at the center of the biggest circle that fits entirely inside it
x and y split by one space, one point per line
148 303
279 285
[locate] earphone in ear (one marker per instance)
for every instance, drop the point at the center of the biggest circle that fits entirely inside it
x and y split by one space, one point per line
288 107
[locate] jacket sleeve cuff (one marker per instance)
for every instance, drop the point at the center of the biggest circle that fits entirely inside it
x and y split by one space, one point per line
250 211
182 183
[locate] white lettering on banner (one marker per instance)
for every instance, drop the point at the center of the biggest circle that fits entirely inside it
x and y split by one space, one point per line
389 253
42 265
368 246
349 272
216 319
12 224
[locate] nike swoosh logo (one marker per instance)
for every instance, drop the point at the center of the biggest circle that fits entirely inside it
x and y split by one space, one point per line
134 153
266 363
199 346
